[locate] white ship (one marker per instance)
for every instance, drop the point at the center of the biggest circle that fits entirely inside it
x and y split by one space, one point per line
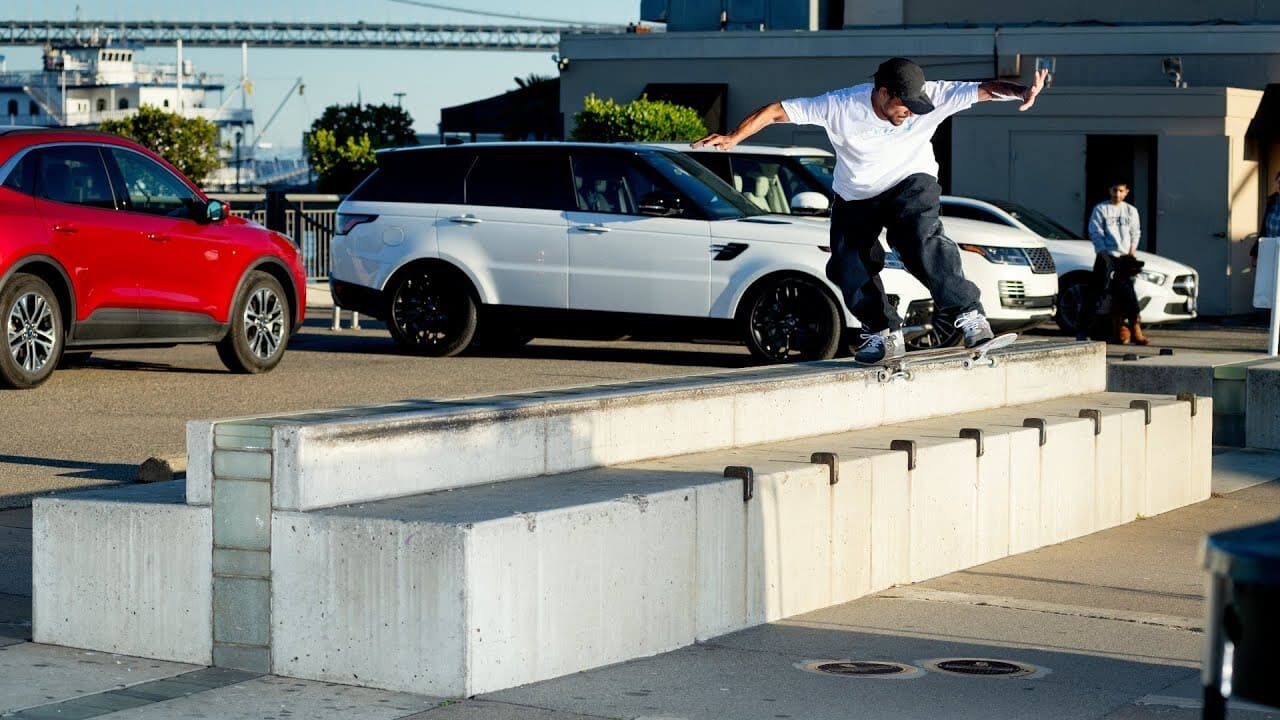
83 85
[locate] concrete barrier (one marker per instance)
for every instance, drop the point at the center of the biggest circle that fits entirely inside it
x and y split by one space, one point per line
1262 390
440 580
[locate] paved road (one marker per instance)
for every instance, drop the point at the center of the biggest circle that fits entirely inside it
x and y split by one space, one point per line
94 425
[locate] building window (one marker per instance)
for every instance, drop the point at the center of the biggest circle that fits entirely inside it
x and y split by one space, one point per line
33 109
123 104
13 107
166 103
102 104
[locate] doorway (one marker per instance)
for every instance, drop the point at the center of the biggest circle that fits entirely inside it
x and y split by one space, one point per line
1131 159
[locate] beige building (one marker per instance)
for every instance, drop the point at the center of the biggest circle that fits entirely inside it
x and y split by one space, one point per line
1197 144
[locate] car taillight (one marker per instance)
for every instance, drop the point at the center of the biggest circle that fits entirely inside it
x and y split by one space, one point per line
348 222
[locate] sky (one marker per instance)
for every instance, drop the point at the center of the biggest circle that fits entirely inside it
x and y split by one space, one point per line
429 79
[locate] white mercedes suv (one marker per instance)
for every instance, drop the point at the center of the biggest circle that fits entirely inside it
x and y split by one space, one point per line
1167 289
501 242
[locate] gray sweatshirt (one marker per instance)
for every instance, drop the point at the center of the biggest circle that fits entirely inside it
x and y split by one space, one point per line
1114 228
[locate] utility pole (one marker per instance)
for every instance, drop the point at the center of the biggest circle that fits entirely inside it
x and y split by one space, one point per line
399 98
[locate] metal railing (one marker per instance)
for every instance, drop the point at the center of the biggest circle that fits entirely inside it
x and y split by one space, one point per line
306 219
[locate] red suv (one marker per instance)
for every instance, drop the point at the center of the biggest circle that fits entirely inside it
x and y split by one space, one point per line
103 244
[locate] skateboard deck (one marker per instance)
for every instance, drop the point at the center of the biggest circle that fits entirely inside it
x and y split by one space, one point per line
976 356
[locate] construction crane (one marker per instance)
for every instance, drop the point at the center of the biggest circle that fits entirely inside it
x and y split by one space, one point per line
259 132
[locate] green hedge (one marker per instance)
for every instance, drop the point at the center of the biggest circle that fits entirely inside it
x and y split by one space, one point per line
642 120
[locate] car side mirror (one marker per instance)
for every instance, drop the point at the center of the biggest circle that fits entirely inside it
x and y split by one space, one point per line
810 203
661 204
215 211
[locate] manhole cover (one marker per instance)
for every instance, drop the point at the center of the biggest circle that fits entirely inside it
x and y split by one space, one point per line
983 667
862 668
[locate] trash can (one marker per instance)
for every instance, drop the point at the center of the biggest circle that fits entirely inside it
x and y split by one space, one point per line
1242 632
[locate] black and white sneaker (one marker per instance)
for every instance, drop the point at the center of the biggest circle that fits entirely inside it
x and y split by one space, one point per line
975 327
879 347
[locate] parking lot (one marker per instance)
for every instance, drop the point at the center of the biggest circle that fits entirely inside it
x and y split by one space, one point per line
95 424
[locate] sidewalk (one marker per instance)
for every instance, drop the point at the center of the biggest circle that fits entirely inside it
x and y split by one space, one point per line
1106 626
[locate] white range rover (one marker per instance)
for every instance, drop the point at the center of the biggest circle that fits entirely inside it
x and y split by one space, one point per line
501 242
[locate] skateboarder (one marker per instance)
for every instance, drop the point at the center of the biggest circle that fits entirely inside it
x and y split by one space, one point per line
886 176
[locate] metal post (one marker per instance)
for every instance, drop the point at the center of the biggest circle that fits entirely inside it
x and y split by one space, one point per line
239 137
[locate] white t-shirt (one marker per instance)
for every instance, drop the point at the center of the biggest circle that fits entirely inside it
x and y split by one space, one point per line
873 155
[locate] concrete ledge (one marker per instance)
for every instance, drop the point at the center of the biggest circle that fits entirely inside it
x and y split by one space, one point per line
125 571
327 459
1217 375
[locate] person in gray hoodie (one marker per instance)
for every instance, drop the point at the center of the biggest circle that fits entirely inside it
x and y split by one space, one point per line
1115 229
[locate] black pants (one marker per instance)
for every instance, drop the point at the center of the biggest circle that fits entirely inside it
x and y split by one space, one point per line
909 211
1110 292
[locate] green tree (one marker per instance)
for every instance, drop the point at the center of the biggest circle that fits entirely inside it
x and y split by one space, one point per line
641 120
533 111
340 166
343 155
189 144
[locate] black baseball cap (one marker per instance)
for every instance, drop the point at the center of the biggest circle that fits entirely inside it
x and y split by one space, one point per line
905 81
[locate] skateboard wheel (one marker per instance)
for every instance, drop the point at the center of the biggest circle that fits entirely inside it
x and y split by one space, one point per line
908 375
967 364
884 376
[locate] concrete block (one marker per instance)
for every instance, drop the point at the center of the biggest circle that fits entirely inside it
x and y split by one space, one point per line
544 592
1201 481
380 599
992 516
1168 456
1025 526
1262 389
943 512
851 530
126 571
1108 470
789 544
1067 481
199 486
720 576
1133 465
242 563
890 521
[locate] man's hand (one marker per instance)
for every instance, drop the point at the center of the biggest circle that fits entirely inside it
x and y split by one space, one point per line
717 141
1029 97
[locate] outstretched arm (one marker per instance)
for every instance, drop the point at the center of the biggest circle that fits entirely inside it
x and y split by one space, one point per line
754 123
1006 90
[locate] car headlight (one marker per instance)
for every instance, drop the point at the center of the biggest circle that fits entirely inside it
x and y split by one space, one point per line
1153 277
998 255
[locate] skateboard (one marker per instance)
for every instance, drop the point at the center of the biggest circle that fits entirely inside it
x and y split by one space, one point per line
973 357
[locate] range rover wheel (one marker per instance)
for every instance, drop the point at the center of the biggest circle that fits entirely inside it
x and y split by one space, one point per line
792 319
432 312
1072 293
259 327
33 332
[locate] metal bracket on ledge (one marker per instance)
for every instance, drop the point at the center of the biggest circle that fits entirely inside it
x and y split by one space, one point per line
909 447
1095 416
1039 424
747 476
831 460
976 435
1144 406
1191 398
